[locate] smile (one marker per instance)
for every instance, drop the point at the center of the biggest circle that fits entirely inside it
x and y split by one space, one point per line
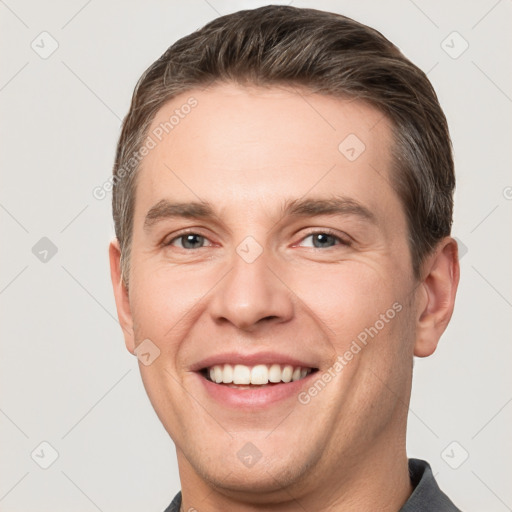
258 375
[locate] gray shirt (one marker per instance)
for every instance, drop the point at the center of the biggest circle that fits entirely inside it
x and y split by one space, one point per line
426 497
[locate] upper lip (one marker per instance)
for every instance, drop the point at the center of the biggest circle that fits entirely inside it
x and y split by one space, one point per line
251 360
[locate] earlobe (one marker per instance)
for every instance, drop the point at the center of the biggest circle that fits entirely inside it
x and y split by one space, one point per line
439 287
121 295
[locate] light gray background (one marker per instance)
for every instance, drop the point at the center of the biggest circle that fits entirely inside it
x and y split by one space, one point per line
66 377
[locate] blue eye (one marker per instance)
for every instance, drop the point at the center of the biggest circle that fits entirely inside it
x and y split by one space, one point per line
319 240
322 240
189 241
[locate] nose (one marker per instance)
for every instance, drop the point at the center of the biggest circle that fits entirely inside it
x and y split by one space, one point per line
251 294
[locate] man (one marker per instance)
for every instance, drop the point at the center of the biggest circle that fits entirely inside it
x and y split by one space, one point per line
283 203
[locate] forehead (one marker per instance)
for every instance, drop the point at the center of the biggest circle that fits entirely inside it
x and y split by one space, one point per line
248 146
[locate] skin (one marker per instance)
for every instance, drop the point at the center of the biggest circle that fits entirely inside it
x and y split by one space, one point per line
246 150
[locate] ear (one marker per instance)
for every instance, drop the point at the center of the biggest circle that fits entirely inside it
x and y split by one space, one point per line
441 273
121 295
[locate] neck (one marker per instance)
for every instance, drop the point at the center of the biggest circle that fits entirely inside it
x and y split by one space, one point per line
377 480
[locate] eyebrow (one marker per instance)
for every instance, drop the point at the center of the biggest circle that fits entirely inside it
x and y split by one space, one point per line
203 210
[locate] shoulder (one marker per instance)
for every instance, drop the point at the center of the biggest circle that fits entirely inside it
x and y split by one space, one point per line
427 495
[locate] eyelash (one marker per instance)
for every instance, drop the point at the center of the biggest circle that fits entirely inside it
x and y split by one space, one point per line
342 241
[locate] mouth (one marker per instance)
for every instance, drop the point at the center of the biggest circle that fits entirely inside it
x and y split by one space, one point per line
251 382
253 377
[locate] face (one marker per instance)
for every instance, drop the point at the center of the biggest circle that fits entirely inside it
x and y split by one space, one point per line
267 237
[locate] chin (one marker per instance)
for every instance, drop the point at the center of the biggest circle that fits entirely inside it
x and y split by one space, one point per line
260 479
256 485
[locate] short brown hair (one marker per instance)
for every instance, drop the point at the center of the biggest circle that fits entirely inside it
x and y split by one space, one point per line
326 53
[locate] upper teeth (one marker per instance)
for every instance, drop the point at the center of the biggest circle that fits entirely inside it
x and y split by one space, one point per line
259 374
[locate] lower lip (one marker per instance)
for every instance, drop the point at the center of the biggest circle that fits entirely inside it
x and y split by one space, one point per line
256 397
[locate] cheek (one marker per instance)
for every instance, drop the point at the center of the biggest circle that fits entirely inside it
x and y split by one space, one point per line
162 297
347 298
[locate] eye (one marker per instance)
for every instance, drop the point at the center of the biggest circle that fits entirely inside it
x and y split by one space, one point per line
324 239
188 241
